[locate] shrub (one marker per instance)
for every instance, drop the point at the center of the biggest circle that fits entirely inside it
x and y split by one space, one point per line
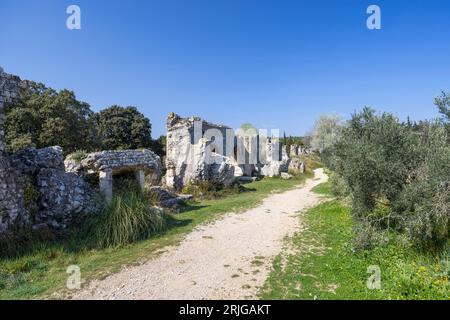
397 176
21 239
339 187
79 155
429 226
127 218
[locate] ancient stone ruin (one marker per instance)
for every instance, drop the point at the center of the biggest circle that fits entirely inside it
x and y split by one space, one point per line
201 151
11 193
192 156
35 189
144 164
39 189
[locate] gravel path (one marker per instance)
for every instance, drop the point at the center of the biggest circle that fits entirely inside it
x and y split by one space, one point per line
226 259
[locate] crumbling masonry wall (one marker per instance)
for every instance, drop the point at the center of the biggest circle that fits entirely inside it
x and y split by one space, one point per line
35 189
145 164
12 209
192 143
193 156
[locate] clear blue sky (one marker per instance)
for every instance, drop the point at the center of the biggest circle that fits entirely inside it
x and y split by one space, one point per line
276 64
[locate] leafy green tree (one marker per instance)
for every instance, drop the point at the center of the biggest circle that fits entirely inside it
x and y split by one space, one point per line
443 104
45 117
326 131
123 128
397 175
248 128
159 146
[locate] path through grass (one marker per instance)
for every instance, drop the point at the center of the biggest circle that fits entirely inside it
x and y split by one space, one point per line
42 271
319 263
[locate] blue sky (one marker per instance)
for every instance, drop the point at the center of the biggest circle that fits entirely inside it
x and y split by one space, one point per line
276 64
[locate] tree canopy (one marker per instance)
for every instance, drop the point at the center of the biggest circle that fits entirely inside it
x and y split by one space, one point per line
123 128
45 117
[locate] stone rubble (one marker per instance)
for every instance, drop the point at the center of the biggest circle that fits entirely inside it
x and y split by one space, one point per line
166 199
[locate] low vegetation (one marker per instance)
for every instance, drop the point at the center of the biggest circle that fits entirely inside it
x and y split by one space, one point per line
321 262
128 218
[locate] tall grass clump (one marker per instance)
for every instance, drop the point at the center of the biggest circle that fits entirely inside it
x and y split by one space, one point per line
129 217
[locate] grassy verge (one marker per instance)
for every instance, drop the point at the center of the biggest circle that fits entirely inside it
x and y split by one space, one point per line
41 272
324 266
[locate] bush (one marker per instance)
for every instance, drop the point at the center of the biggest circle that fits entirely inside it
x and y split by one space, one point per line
429 226
19 240
339 187
129 217
78 155
397 175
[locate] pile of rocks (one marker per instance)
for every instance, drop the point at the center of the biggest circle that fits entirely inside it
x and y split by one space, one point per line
166 199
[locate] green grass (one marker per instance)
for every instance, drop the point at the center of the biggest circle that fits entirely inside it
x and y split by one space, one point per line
324 265
323 188
41 271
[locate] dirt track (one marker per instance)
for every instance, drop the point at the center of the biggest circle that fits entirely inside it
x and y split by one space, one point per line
227 259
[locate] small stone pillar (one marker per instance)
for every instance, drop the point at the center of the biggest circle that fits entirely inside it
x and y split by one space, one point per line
106 183
140 178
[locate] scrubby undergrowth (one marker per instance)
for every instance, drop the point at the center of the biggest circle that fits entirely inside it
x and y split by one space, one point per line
321 263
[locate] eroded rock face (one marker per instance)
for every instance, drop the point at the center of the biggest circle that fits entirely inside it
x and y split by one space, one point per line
272 169
40 192
190 150
222 171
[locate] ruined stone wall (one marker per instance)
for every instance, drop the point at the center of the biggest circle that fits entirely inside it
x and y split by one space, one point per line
35 189
145 164
12 209
10 91
192 156
191 143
